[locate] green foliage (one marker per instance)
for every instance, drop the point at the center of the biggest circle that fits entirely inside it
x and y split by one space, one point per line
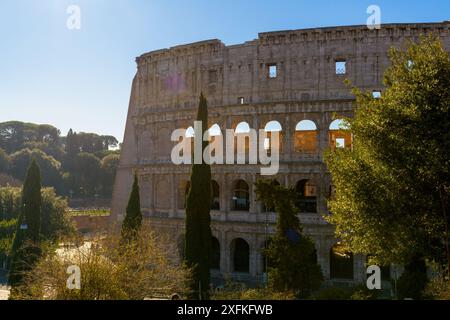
333 293
50 166
81 162
413 280
291 255
4 161
16 135
438 288
55 222
353 293
31 203
251 294
25 249
55 219
10 203
198 220
7 230
392 189
143 269
133 219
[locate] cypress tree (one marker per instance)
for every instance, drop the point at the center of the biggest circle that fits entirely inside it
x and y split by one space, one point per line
198 230
25 249
292 256
133 218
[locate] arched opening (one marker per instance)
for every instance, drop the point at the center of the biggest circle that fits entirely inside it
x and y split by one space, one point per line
241 196
242 133
242 127
339 135
273 126
270 209
241 255
215 254
214 130
341 263
215 195
306 196
305 140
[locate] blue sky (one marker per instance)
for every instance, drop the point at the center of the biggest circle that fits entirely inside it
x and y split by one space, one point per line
81 79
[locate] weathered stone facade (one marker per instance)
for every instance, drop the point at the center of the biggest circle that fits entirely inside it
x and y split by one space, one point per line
287 76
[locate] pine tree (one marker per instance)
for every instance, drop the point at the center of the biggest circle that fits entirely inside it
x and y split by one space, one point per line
133 218
292 256
25 249
198 220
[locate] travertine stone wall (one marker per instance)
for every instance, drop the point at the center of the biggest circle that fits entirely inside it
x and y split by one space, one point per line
164 97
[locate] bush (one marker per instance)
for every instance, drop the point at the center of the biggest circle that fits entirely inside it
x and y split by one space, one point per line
237 291
110 270
413 281
333 293
438 288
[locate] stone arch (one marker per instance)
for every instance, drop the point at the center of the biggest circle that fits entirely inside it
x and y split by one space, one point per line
306 137
339 135
241 196
240 255
215 130
269 128
163 193
145 146
164 145
306 196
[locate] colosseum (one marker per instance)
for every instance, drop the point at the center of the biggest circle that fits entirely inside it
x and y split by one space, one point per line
288 81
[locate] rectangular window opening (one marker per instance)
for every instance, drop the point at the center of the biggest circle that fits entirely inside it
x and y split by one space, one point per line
272 69
241 100
341 67
376 94
340 143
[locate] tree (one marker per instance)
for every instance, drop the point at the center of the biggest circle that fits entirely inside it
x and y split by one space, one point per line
25 248
87 174
50 167
133 218
291 255
198 220
4 161
391 191
55 221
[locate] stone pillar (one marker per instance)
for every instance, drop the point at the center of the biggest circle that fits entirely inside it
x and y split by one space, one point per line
173 191
223 253
253 256
226 259
323 247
